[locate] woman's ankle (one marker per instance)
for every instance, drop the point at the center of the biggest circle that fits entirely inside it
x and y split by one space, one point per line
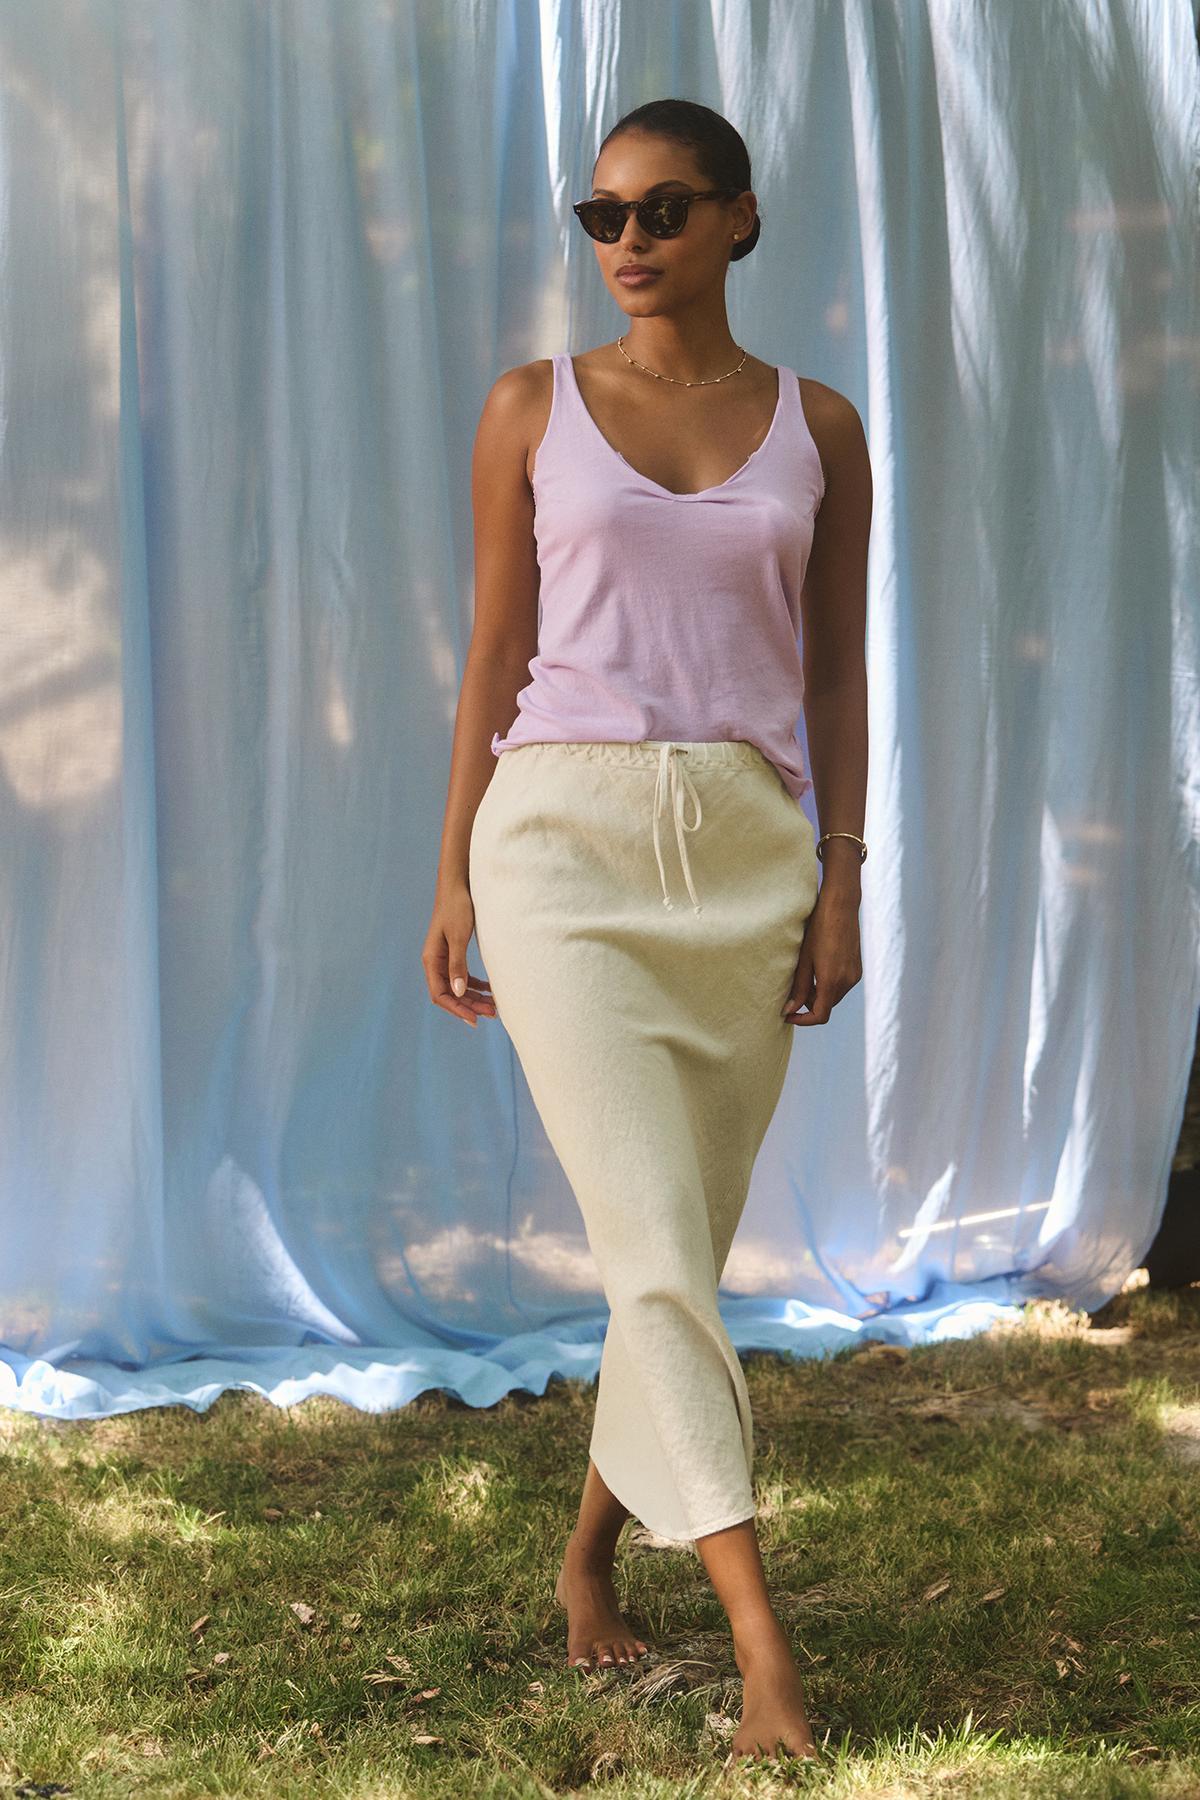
757 1638
594 1554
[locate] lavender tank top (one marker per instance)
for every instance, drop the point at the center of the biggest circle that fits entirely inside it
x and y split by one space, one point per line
663 615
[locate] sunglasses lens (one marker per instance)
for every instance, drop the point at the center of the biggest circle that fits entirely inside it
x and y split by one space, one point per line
664 216
602 221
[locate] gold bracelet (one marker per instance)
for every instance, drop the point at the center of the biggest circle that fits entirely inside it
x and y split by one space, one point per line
850 834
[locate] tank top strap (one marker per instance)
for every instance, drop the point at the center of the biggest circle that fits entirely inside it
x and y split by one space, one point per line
568 418
798 432
791 412
567 397
560 398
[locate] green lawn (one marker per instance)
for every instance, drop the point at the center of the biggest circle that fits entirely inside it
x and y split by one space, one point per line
987 1553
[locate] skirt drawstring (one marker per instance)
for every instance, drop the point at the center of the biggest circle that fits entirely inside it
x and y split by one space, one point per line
668 759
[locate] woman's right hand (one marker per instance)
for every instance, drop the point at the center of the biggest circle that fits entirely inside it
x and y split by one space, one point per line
444 958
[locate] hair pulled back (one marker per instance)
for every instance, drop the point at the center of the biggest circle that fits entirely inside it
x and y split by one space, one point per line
720 153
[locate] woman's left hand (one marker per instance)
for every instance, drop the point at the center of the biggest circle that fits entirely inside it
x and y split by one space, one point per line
830 961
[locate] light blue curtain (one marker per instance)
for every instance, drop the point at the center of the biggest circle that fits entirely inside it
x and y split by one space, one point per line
260 261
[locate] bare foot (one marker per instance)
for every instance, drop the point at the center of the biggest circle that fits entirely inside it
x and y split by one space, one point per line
595 1628
772 1703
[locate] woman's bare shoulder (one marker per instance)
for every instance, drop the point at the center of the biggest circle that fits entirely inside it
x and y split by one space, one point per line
517 389
518 404
825 405
833 419
517 410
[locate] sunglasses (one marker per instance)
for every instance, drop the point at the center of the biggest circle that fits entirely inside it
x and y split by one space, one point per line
660 216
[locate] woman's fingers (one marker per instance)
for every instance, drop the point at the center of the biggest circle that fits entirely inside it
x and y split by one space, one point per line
802 990
451 984
478 996
473 990
468 996
820 999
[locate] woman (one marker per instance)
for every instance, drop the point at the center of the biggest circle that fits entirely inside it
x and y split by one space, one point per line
673 505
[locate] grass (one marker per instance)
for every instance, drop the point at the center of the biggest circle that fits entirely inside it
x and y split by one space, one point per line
987 1553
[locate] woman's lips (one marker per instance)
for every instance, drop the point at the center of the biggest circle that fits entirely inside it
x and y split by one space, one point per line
638 277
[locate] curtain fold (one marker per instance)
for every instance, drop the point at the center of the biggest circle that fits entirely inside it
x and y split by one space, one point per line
260 262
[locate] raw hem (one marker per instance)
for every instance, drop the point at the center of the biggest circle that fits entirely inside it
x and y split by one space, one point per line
723 1524
672 1537
705 1530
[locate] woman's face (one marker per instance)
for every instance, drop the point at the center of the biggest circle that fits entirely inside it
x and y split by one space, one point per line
628 168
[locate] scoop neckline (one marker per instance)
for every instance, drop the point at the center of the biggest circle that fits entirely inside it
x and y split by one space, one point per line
697 493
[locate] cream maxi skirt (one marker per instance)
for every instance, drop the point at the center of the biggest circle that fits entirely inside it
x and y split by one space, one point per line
639 909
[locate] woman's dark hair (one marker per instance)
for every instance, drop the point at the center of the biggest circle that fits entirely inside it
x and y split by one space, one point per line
720 154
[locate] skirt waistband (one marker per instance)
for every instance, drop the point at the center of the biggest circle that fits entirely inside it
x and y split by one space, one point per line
672 789
647 752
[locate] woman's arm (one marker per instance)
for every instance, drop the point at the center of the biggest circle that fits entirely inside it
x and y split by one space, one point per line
504 633
833 608
503 642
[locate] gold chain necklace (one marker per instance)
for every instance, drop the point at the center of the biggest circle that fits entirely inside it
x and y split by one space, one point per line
712 380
